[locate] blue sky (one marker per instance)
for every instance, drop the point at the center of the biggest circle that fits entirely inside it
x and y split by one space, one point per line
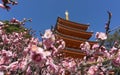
45 12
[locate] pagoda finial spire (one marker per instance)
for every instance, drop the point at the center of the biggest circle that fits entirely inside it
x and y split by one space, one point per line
66 15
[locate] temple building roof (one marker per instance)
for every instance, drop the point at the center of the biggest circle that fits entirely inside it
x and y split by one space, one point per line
73 34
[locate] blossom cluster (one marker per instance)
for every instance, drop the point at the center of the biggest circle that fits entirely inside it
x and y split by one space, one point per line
5 4
23 54
99 60
28 56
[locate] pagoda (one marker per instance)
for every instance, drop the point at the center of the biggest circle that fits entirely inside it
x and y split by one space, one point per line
73 34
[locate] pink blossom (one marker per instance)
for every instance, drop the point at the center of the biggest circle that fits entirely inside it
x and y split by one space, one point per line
95 46
34 48
28 71
47 43
1 32
92 70
39 51
46 54
3 67
52 66
47 34
72 64
5 39
61 43
6 53
1 23
22 64
106 54
13 66
14 55
116 62
14 21
65 64
113 49
48 39
2 6
43 52
1 73
36 57
101 36
34 41
54 50
100 60
85 46
5 57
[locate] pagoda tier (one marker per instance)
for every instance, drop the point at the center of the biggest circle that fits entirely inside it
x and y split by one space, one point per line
73 32
73 53
71 24
71 41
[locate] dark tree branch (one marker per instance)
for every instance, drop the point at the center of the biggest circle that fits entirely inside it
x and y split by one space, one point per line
107 27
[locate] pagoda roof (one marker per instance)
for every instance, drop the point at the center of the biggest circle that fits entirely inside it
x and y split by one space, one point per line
73 42
72 24
73 32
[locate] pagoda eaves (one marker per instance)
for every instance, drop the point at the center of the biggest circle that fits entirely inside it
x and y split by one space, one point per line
73 32
73 54
72 24
72 42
